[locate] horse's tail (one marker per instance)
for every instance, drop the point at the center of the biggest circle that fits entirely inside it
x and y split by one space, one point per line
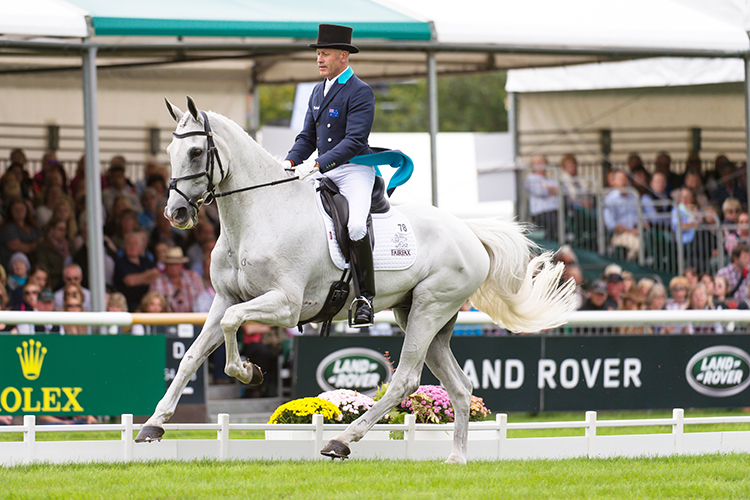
521 293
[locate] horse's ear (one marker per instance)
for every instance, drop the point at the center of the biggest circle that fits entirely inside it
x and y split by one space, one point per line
173 110
192 108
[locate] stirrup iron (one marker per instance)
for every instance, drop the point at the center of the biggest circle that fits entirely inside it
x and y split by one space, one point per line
354 306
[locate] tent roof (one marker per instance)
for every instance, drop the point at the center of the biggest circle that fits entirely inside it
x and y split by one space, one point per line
636 24
43 18
653 72
270 39
249 18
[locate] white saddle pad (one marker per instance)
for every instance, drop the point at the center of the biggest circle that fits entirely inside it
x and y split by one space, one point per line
395 243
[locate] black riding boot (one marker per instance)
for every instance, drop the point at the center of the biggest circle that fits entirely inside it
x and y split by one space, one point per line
361 311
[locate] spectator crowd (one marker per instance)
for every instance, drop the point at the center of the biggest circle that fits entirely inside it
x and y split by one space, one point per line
149 265
152 267
715 199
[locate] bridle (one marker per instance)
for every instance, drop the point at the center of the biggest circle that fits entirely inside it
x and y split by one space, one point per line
212 159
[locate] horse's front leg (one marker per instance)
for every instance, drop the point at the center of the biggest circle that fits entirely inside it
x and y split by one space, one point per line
272 308
208 340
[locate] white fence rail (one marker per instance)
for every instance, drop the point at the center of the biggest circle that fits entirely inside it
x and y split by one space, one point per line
576 318
487 441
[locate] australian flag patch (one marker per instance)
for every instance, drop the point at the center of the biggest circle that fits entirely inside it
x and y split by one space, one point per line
333 112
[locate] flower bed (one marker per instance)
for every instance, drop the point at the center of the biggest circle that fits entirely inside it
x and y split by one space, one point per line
430 404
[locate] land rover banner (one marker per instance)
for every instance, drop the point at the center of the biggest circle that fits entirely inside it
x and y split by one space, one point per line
534 373
65 375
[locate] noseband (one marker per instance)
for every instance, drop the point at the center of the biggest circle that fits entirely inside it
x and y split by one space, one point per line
212 159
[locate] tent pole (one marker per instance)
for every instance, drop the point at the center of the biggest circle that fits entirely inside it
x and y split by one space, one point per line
253 106
747 118
515 148
94 223
432 100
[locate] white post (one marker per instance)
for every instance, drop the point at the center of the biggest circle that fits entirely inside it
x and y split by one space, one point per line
747 114
223 436
591 433
502 433
127 437
432 102
94 222
317 421
410 435
29 437
678 429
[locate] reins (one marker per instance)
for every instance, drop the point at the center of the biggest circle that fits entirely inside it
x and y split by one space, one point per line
212 159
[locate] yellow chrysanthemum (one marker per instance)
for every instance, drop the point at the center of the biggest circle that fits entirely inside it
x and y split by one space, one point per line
300 411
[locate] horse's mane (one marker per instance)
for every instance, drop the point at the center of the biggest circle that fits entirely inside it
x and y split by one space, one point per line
228 122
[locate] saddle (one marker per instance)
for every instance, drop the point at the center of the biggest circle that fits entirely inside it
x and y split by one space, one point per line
337 207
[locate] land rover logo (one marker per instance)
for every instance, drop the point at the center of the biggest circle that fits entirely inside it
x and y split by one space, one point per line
719 371
355 368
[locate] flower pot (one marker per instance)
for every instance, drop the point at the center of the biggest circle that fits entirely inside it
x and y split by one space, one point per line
289 435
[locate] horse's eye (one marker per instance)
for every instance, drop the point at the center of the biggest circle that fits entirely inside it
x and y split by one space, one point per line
195 153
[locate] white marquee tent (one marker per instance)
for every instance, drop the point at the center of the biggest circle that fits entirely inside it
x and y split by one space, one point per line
670 92
432 37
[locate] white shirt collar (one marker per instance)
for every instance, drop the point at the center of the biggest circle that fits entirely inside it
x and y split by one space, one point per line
330 81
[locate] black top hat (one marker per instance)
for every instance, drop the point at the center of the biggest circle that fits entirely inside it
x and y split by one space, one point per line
333 36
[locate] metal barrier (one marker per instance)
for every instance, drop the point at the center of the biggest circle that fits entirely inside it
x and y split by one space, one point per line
577 319
662 243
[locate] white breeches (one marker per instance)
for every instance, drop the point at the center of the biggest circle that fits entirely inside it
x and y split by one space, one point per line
355 183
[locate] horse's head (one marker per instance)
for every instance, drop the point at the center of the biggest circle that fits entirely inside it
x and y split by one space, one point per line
196 166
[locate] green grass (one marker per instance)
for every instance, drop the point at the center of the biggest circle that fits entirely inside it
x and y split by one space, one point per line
709 477
114 435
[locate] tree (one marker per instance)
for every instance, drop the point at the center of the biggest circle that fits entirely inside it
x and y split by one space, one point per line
276 103
466 103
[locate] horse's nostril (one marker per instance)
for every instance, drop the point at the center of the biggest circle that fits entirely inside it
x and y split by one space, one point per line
180 214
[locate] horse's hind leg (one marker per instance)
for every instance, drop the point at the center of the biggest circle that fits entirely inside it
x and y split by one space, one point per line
405 381
428 314
443 364
210 338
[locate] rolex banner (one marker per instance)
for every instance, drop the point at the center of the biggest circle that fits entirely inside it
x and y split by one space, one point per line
536 373
66 375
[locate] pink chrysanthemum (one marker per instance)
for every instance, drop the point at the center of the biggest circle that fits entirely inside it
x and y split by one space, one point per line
352 404
431 404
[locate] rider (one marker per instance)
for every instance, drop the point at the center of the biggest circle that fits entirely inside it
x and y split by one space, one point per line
338 122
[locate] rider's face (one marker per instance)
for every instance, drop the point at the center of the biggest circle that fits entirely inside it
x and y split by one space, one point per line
331 62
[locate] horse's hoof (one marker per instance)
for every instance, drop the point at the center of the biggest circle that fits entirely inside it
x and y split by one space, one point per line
336 449
456 459
257 375
149 433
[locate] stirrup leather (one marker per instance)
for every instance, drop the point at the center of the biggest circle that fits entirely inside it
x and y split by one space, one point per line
354 306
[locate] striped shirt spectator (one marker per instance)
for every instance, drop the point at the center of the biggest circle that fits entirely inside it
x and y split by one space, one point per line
736 272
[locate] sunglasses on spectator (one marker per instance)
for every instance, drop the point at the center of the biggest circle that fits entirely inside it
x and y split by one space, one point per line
679 289
73 306
31 292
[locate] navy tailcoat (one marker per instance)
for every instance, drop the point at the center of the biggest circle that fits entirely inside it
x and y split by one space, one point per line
337 124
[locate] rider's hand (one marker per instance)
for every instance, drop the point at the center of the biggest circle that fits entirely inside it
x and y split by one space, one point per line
286 164
306 169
